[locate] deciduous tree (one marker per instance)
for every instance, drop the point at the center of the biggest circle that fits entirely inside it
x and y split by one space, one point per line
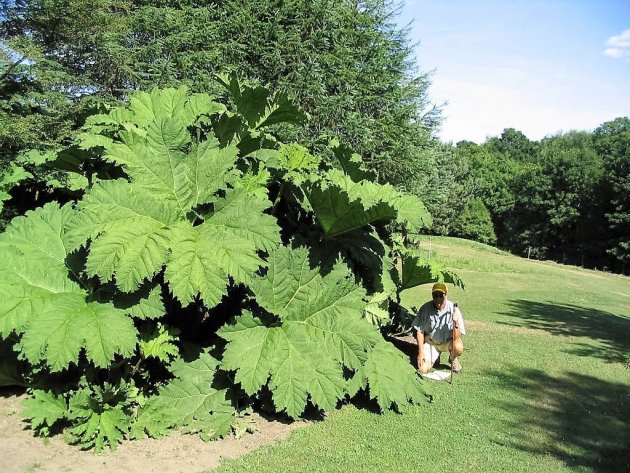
612 141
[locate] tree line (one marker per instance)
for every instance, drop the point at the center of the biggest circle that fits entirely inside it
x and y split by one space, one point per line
563 198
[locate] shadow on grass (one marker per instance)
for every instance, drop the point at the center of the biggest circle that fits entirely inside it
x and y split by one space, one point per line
580 420
610 330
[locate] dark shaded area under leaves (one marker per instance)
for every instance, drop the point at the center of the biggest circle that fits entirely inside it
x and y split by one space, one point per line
610 331
407 345
11 391
584 421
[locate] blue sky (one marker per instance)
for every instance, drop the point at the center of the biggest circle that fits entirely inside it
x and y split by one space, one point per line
541 67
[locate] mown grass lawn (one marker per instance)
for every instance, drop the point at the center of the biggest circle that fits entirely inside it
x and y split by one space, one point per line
545 386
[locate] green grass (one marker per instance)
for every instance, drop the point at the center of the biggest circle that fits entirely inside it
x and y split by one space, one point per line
544 386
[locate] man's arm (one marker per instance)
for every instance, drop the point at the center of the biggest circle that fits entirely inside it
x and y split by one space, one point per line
422 365
457 331
459 320
457 346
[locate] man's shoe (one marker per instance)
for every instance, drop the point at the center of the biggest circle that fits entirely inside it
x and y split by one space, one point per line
457 366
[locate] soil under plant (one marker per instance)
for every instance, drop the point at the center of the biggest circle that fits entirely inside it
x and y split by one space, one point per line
21 452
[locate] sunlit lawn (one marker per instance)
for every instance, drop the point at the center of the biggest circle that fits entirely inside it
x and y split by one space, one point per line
544 386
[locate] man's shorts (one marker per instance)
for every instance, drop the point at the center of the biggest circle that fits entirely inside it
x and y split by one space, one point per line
431 352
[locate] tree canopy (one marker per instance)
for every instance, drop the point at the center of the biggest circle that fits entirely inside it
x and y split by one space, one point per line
346 63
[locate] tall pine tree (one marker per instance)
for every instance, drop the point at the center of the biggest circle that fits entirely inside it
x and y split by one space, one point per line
346 62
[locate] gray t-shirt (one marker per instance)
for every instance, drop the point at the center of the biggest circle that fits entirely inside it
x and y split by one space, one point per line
438 324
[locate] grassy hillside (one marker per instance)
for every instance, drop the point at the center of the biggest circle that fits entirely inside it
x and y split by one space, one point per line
544 385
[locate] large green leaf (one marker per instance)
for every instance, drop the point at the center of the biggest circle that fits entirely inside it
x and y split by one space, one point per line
137 228
329 306
44 409
68 324
130 230
286 357
416 271
322 330
241 215
210 168
165 102
40 300
201 369
135 234
342 205
359 248
158 162
351 163
256 105
189 401
158 153
172 103
253 360
391 379
192 268
34 271
201 259
337 214
146 303
294 291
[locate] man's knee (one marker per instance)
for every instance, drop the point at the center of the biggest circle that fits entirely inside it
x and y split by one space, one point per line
456 347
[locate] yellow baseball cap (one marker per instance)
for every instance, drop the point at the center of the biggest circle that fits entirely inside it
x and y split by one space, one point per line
440 287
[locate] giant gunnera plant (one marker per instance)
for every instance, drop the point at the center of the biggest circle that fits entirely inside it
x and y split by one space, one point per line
205 269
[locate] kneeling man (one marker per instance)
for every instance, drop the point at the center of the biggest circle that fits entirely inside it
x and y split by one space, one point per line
438 324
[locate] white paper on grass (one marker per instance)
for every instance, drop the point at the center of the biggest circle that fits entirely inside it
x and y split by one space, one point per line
437 375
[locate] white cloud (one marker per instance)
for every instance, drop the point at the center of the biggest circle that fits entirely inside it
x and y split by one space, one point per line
619 46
